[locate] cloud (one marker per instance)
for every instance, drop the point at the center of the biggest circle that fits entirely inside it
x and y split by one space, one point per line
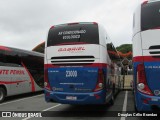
116 17
25 23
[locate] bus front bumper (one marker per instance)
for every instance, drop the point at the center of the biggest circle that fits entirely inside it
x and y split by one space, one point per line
147 103
77 98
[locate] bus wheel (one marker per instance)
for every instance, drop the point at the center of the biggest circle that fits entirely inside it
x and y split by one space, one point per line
111 102
135 108
2 94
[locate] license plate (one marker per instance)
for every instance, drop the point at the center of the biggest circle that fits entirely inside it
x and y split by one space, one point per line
71 98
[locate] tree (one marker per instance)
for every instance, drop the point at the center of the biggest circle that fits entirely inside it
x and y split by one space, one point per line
125 51
124 48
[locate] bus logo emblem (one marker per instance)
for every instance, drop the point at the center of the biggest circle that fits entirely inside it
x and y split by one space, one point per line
157 92
72 49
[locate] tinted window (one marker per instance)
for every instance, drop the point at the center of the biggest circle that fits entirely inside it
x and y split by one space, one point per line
32 61
150 16
12 58
35 65
2 58
66 34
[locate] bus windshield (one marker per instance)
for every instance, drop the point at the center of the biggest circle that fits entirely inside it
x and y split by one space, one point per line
150 16
77 33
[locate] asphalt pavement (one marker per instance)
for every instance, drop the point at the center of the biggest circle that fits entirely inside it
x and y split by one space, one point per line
34 107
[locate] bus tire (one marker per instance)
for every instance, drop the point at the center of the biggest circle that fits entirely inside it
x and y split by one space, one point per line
2 94
111 102
114 90
135 108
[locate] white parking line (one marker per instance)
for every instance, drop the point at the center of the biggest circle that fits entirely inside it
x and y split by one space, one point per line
20 100
43 111
124 105
51 107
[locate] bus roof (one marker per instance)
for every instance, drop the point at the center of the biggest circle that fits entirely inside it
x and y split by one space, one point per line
149 1
21 50
74 23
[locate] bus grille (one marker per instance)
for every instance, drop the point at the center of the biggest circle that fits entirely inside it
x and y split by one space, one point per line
72 60
155 51
154 47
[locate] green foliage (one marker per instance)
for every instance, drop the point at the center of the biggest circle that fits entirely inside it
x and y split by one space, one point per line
124 48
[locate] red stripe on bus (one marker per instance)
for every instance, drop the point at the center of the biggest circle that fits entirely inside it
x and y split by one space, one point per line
155 28
14 82
100 65
31 78
4 48
145 59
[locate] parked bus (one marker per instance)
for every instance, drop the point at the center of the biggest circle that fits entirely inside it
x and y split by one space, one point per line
146 56
80 65
21 71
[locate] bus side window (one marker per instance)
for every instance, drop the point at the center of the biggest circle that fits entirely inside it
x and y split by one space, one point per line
113 53
2 58
12 59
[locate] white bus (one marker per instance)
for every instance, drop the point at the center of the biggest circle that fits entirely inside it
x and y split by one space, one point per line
80 65
21 71
146 55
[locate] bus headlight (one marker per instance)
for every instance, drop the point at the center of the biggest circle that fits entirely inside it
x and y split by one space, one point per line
100 85
141 86
45 84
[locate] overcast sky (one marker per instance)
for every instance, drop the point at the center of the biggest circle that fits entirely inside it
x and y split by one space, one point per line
25 23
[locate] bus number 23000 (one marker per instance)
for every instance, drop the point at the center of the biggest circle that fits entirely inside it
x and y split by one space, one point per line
71 73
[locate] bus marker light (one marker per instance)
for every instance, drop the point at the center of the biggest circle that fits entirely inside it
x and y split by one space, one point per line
145 2
97 96
146 100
